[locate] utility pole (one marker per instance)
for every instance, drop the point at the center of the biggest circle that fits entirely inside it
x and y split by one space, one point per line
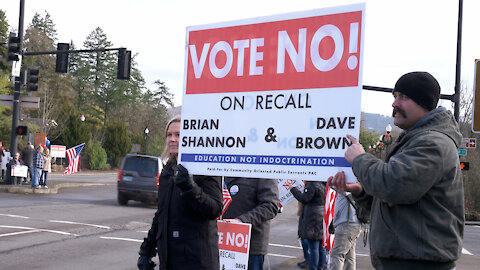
456 100
18 84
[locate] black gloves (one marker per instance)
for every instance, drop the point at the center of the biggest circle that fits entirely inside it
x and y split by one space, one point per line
145 263
182 179
185 183
146 253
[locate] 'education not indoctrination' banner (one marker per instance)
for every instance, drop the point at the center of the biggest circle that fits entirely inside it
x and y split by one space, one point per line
273 97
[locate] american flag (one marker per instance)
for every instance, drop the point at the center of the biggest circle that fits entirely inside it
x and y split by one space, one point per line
73 155
328 212
227 198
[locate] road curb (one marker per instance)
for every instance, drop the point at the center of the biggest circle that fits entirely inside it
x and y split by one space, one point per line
26 189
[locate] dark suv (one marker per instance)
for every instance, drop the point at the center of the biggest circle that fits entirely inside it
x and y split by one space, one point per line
138 178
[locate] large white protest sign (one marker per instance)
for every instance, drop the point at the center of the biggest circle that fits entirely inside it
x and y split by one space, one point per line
233 244
273 97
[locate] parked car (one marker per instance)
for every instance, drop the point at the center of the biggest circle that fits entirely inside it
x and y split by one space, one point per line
137 178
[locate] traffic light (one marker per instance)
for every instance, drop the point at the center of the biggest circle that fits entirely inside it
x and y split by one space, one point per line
13 47
464 166
62 58
32 79
124 64
22 130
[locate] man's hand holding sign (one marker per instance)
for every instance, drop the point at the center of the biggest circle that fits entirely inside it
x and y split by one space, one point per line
339 179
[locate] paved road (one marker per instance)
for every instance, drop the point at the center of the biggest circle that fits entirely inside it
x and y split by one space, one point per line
84 228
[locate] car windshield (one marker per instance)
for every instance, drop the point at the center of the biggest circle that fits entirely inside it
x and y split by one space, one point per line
143 165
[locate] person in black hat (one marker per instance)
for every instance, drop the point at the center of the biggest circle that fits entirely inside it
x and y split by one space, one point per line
416 194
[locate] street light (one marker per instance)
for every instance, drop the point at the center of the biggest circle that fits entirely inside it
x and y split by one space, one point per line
146 139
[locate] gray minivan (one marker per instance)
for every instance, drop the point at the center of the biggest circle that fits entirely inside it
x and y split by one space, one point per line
137 178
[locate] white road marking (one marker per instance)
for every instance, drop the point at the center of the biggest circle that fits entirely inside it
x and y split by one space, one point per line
34 230
285 246
79 223
142 231
280 255
122 239
464 251
15 216
18 233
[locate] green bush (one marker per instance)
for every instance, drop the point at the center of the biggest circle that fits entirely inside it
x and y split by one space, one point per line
97 157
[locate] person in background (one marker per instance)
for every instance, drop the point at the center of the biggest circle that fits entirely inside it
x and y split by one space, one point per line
347 229
5 161
415 196
16 162
46 169
184 228
254 201
38 164
27 158
310 223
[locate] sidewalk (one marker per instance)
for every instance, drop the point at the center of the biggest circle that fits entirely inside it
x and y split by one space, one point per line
54 185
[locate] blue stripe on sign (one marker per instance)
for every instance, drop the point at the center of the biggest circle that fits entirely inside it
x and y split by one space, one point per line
267 160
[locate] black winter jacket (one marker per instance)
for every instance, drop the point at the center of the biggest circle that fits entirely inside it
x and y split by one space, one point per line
184 228
310 223
256 202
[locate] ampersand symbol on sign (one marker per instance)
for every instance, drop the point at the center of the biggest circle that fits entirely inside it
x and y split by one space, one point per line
270 137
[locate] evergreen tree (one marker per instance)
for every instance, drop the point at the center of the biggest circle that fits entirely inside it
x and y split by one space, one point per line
117 143
97 73
75 131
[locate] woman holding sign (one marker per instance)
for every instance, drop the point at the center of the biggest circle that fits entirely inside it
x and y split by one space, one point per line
310 228
184 228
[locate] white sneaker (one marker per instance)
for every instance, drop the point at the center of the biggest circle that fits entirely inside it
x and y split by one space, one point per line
45 186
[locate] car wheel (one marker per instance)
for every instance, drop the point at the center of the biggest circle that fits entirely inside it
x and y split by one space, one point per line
122 198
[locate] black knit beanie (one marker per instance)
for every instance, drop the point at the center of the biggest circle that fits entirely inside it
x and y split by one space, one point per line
421 87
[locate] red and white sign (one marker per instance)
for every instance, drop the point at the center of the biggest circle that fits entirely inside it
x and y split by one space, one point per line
233 244
284 194
273 97
469 143
58 151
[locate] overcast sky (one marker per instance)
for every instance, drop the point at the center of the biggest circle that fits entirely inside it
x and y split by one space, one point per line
400 36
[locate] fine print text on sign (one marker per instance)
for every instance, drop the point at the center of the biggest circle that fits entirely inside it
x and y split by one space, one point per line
273 97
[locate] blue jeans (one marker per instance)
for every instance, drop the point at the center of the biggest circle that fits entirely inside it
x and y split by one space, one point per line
305 249
323 257
37 172
255 262
313 249
321 251
43 178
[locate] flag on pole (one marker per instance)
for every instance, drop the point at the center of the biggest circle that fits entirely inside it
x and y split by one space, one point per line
227 198
328 212
73 155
